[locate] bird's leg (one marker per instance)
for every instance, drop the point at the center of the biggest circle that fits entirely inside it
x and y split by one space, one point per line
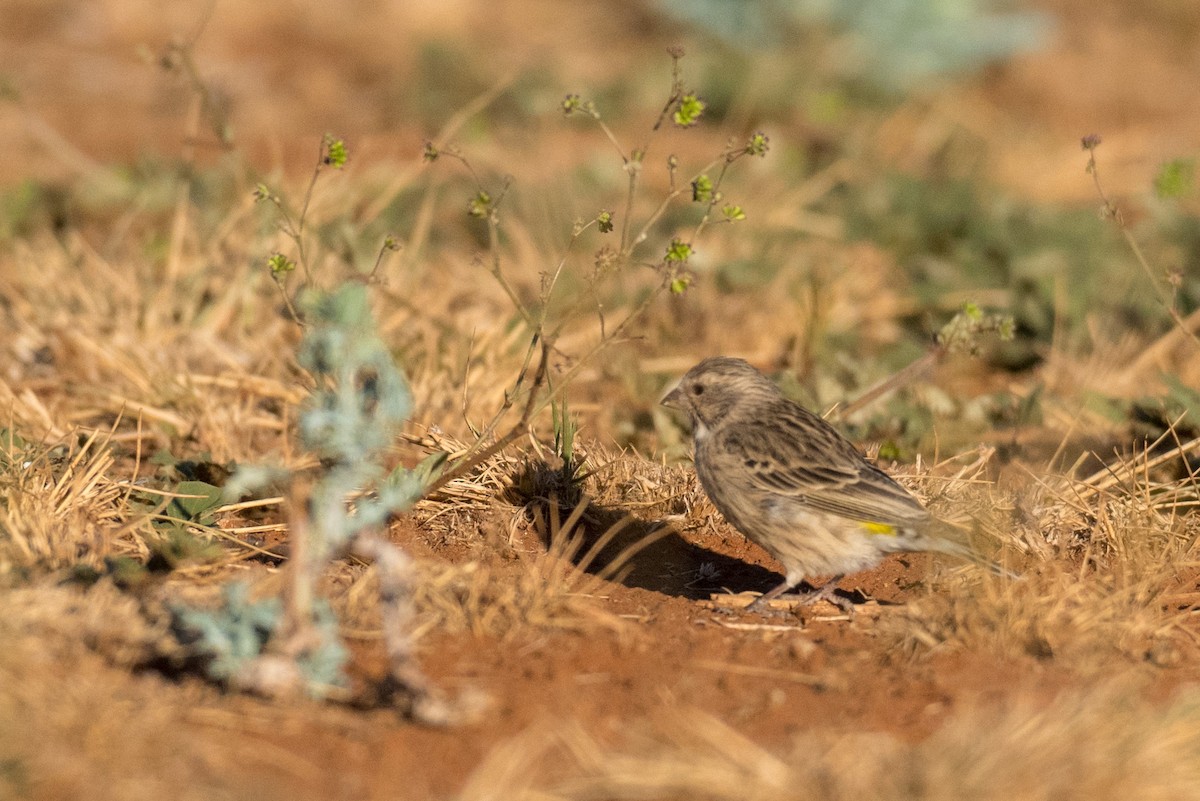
761 601
826 592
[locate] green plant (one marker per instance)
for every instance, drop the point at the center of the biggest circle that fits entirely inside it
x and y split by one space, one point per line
226 642
550 318
348 423
293 223
965 332
1164 287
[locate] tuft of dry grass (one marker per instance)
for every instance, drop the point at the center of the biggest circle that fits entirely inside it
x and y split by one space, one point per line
69 622
543 548
1079 621
483 597
75 722
545 591
61 506
1028 749
1108 568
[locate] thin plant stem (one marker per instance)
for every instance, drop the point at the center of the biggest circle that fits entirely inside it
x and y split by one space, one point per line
1112 212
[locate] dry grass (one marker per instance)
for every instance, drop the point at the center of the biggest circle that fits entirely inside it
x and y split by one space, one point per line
75 722
548 591
1107 567
533 564
484 597
62 506
1027 749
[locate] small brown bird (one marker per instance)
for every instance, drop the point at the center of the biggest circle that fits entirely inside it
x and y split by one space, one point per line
792 484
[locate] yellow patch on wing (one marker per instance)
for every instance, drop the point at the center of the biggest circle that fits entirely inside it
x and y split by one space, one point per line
880 528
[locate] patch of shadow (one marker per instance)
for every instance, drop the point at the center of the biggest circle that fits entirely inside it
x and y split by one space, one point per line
614 543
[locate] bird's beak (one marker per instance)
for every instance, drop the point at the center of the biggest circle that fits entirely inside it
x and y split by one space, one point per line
673 399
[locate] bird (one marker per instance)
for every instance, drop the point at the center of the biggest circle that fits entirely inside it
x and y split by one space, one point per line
795 486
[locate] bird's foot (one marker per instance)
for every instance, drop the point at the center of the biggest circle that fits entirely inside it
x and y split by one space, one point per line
826 592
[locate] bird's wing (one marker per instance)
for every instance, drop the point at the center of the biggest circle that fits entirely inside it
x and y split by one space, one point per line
809 460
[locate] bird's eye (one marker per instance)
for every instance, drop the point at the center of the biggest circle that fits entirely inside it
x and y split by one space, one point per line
697 389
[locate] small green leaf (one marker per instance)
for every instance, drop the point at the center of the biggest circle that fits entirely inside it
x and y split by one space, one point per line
565 429
574 104
966 330
335 152
197 508
678 251
758 144
179 546
480 205
280 264
11 440
732 212
679 285
1175 179
431 467
126 572
689 110
605 222
13 449
888 451
702 189
404 486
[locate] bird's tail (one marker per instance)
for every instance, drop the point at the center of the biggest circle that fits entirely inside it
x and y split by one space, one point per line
945 538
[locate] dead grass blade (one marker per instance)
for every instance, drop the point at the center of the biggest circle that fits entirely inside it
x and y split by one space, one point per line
60 507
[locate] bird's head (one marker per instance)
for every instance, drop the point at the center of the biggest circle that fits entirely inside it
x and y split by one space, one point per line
716 388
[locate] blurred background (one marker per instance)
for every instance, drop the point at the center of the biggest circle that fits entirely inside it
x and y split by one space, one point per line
1026 80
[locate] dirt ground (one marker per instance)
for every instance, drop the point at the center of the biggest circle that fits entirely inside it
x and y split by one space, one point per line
772 677
293 68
